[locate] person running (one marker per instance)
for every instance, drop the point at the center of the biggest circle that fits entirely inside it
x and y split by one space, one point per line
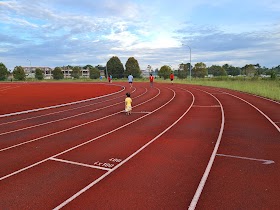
130 80
128 104
111 78
171 78
151 80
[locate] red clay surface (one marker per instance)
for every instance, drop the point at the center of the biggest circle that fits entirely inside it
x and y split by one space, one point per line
90 155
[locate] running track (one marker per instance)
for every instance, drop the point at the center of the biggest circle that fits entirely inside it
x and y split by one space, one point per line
183 147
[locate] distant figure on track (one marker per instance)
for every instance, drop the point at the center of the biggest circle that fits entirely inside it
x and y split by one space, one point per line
151 80
128 104
171 78
130 80
111 78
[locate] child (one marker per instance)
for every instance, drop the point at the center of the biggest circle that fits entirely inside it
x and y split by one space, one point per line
128 103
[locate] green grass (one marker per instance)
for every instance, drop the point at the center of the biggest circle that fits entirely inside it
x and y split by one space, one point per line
266 88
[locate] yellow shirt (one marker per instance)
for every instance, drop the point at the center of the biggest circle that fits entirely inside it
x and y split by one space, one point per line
128 101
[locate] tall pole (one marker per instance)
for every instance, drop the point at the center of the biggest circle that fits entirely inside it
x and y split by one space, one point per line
106 70
190 61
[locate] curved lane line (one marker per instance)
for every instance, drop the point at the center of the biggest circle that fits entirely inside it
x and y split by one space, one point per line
61 119
60 105
273 123
65 110
67 129
91 140
128 158
211 161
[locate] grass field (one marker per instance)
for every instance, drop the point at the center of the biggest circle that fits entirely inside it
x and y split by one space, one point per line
266 88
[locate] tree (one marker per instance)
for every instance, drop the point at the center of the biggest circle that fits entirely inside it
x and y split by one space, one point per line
76 72
183 71
57 73
19 73
132 67
94 73
115 67
249 70
217 70
199 70
39 74
164 71
3 72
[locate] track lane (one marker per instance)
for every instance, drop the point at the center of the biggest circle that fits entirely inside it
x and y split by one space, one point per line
239 180
157 178
8 139
39 166
37 149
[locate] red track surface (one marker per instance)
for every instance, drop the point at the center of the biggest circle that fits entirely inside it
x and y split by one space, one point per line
183 146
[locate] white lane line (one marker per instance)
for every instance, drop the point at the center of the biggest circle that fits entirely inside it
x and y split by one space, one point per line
266 162
126 160
211 161
79 164
61 105
65 110
274 124
206 106
61 119
67 129
89 141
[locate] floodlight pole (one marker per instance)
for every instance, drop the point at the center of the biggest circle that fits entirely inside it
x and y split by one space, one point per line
190 61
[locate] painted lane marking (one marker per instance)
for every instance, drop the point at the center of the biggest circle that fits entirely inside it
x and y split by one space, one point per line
80 164
61 105
126 160
274 124
266 162
61 119
206 106
87 142
77 126
52 113
211 161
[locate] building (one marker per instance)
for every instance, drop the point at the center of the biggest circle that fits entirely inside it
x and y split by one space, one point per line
30 71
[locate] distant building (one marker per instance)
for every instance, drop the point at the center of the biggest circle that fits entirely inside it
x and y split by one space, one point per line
30 71
47 71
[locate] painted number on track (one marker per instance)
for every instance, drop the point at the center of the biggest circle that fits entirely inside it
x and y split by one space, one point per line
106 164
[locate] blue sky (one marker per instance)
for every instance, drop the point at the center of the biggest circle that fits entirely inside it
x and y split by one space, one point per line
63 32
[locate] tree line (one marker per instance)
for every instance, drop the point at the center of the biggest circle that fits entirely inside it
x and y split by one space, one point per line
116 69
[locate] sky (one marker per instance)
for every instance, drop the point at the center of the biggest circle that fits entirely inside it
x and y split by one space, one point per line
155 32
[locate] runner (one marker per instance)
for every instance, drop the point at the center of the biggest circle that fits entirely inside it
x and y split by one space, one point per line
130 80
151 80
171 78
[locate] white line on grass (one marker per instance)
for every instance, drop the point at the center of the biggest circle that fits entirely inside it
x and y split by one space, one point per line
126 160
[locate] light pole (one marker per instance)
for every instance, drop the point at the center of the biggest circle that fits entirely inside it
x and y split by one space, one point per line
190 60
106 70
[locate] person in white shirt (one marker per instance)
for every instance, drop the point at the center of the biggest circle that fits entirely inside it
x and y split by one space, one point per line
130 80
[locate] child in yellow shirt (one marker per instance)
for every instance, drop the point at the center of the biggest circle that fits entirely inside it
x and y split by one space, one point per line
128 103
